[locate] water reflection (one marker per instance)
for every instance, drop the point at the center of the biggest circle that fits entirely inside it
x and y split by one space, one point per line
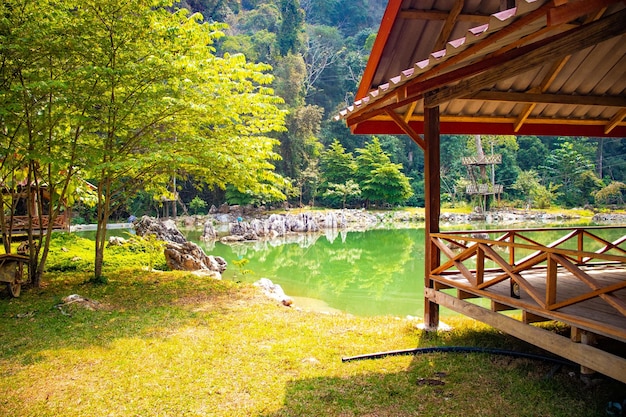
371 272
361 272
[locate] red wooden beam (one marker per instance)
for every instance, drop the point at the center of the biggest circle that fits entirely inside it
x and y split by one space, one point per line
389 18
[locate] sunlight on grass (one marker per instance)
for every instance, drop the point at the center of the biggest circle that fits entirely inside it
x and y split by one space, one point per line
171 344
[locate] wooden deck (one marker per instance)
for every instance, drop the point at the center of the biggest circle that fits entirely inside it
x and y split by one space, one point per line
579 280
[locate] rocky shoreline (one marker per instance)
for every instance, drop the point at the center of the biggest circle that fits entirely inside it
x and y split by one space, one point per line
236 223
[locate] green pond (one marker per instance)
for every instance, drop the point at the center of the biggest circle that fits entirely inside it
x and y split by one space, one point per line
365 273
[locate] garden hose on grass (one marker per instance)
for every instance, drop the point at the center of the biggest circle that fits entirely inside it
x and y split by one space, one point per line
458 349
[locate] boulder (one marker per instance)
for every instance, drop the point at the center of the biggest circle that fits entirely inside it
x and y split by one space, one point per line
116 241
188 256
208 233
163 230
274 291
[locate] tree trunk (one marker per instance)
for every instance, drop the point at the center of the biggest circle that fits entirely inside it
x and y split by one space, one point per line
104 202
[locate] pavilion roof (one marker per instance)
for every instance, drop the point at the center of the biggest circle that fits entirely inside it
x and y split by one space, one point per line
524 67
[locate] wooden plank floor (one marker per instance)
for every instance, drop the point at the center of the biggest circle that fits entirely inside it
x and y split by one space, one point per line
594 315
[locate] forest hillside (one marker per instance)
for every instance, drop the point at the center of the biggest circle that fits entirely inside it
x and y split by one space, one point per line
318 50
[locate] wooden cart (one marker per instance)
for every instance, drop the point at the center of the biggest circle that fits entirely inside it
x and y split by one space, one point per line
12 272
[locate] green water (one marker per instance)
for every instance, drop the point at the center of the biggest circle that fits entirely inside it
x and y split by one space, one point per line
374 272
365 273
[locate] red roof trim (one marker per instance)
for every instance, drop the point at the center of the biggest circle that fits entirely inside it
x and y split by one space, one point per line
388 127
389 18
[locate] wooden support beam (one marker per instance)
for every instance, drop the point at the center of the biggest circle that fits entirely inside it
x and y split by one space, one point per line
480 266
536 97
615 121
416 137
409 111
531 57
496 306
606 363
432 208
441 286
528 317
575 9
551 281
463 295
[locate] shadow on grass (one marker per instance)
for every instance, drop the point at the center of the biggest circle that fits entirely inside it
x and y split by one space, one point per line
455 384
129 307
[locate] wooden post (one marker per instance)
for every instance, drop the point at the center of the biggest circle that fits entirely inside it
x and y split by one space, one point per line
432 208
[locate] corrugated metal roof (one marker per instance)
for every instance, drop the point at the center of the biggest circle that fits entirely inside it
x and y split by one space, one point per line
576 87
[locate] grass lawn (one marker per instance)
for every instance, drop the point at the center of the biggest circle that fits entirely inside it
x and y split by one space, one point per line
174 344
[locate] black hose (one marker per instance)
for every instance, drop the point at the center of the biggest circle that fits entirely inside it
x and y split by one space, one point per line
458 349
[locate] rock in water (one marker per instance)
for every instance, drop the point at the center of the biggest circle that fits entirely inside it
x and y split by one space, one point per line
208 233
180 254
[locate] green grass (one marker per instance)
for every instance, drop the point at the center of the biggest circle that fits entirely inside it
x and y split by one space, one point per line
174 344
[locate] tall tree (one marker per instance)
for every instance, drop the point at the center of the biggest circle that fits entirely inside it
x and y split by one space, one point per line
291 27
166 101
573 172
380 179
41 134
338 166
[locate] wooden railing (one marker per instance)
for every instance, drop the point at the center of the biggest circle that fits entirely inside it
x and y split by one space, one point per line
20 223
513 254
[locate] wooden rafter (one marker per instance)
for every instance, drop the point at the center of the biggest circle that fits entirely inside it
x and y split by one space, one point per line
551 75
417 138
605 101
615 121
475 49
493 69
545 84
417 117
443 15
575 9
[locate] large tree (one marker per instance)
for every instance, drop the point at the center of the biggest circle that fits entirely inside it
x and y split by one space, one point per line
167 104
147 99
43 97
380 179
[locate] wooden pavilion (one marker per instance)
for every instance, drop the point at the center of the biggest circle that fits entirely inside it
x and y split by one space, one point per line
513 67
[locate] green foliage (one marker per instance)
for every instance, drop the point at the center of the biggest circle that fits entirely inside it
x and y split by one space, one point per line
572 172
197 206
532 153
346 192
241 264
380 180
149 244
338 166
70 252
611 194
291 27
130 115
534 192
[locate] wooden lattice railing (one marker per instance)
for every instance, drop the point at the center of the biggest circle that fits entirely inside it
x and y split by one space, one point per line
513 254
20 223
